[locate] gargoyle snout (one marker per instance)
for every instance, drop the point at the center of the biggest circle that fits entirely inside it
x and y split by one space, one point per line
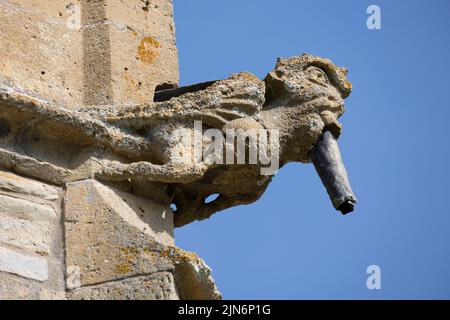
327 160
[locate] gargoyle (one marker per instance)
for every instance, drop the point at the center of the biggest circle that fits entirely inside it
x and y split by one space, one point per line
302 98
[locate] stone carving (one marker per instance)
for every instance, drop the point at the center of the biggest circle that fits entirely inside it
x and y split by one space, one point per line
139 146
90 164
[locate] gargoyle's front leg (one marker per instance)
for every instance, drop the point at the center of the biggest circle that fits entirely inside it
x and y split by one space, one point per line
198 210
166 173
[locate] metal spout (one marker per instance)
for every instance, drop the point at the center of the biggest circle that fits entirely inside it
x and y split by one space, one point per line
327 160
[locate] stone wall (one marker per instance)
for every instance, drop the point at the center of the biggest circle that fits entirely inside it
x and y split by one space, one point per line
31 246
88 240
64 234
88 52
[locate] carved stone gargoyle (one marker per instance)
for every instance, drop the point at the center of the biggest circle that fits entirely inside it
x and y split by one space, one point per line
140 147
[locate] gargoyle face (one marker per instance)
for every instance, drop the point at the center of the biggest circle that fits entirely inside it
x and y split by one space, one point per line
303 76
304 95
304 98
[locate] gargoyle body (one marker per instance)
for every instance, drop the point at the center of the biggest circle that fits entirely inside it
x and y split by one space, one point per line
301 98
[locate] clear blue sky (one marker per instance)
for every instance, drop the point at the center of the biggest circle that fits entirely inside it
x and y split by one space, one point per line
291 244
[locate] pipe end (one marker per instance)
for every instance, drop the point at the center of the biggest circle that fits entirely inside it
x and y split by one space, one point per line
347 206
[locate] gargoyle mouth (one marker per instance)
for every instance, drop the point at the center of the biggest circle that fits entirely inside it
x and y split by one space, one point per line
327 160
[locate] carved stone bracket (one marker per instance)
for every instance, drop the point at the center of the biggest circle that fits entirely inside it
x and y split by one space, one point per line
140 148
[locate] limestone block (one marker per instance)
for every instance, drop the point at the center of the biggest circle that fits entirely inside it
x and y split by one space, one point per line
156 15
23 265
26 224
128 50
87 52
193 276
141 62
30 239
13 287
14 183
40 54
53 9
160 286
111 235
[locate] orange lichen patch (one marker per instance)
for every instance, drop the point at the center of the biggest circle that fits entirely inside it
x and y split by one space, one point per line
123 268
248 76
177 255
130 250
148 50
128 259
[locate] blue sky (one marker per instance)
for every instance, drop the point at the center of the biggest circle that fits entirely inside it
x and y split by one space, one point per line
291 244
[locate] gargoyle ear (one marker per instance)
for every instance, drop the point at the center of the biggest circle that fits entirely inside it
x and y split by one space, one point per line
274 87
280 61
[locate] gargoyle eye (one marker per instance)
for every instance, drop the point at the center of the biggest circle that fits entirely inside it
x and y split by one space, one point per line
317 74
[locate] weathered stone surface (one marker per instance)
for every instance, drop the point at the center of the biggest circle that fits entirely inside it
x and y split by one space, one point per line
83 198
30 239
138 38
76 85
87 52
112 236
300 98
16 184
40 54
193 276
160 286
136 79
147 55
26 224
23 265
63 61
109 241
13 287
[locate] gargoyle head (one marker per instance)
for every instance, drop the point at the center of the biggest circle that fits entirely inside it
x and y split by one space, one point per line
304 98
304 95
